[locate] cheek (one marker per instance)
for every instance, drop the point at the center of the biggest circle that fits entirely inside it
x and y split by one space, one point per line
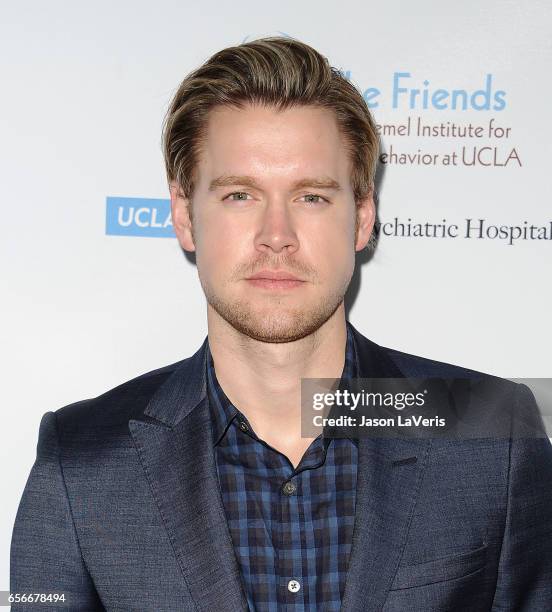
220 244
331 247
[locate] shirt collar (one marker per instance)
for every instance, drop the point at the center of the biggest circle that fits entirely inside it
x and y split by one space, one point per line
223 411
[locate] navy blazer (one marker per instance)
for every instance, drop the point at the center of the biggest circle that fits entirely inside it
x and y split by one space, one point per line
122 509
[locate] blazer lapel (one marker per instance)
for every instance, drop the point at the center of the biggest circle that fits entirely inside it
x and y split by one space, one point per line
387 489
174 441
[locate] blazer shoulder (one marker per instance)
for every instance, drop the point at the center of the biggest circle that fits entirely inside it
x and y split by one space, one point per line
116 406
394 363
416 366
515 409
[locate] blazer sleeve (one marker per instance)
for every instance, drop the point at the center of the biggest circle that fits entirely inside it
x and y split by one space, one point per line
525 570
45 554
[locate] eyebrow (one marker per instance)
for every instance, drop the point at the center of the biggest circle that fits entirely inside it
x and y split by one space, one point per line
248 181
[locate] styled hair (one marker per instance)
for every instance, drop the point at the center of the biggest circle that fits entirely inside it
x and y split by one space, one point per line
276 71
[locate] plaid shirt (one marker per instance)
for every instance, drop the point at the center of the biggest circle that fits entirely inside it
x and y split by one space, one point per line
291 528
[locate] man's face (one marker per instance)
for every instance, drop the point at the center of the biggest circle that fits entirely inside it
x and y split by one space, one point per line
273 194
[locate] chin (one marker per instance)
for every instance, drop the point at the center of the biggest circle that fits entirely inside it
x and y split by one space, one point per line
275 333
276 325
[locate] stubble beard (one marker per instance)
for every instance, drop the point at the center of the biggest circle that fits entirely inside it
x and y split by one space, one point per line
274 321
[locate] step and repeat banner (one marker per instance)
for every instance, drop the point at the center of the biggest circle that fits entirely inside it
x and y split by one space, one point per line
95 287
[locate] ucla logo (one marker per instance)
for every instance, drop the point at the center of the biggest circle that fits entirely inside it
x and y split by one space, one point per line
138 217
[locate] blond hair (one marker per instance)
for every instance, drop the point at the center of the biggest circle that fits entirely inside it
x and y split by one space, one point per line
275 71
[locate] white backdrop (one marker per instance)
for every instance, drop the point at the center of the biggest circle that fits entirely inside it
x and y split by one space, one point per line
85 88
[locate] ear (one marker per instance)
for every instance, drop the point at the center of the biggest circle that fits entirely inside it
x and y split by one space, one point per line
366 217
181 218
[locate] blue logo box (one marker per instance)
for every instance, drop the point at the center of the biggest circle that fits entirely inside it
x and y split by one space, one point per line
138 217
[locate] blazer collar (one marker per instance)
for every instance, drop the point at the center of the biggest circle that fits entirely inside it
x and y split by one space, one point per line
174 441
223 411
186 387
182 391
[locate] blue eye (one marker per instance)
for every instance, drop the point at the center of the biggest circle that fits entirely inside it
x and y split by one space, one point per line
242 196
318 199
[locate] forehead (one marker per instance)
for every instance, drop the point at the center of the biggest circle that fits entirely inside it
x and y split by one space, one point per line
272 144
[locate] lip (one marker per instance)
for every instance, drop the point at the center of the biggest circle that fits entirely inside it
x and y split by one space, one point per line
274 275
271 279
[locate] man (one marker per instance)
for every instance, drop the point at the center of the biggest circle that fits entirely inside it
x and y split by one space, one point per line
190 487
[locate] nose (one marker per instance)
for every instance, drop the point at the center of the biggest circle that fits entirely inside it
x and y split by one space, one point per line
276 233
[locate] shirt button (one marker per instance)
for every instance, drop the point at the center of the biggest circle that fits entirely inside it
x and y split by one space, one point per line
289 488
243 426
293 586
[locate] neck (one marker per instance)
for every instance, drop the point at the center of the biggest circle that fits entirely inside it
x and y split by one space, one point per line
263 380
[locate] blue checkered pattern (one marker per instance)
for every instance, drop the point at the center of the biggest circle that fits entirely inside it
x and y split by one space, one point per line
303 536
